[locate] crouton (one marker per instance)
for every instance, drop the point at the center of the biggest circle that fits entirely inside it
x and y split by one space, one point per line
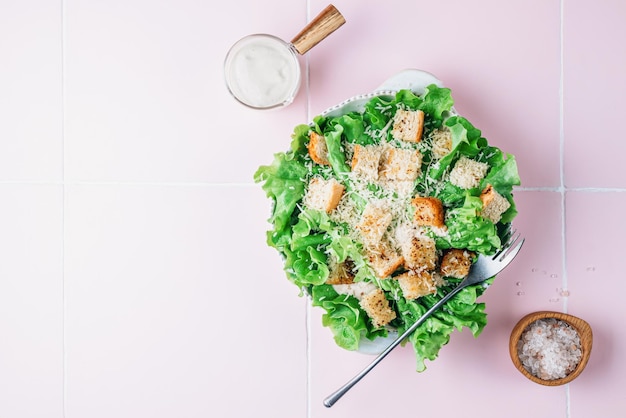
323 195
366 160
456 263
377 307
428 211
416 285
468 173
318 149
401 164
419 253
494 204
408 125
340 273
373 224
384 260
441 143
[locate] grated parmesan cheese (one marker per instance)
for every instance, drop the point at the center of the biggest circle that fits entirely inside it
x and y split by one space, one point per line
441 142
358 289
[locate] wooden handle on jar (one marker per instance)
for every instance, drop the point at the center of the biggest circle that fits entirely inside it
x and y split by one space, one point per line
328 21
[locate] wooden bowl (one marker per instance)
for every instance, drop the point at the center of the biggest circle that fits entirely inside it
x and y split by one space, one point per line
582 328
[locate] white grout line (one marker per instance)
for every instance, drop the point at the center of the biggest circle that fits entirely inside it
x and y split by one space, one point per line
189 184
556 189
209 184
63 216
564 281
597 189
140 183
309 347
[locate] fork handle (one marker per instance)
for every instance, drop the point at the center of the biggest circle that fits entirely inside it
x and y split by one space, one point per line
335 396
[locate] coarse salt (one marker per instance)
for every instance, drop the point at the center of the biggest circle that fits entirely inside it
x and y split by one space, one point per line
549 349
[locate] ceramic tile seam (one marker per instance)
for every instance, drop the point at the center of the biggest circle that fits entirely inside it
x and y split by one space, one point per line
571 189
564 280
308 350
129 183
63 213
208 184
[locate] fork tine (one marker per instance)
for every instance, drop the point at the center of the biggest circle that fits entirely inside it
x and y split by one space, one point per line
510 243
506 238
507 233
512 252
507 247
506 242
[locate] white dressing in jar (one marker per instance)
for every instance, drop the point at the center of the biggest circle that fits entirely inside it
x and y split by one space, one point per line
262 71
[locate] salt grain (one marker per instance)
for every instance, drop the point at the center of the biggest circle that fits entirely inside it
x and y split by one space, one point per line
549 349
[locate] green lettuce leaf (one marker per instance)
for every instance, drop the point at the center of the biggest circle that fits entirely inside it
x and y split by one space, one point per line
309 266
336 156
345 318
283 179
353 128
462 311
307 238
437 101
377 112
282 182
467 229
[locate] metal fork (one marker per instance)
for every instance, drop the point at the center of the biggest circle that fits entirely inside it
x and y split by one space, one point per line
484 268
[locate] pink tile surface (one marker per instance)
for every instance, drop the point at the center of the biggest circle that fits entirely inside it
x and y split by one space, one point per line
592 93
146 101
501 60
31 301
31 118
134 276
183 313
169 314
594 265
